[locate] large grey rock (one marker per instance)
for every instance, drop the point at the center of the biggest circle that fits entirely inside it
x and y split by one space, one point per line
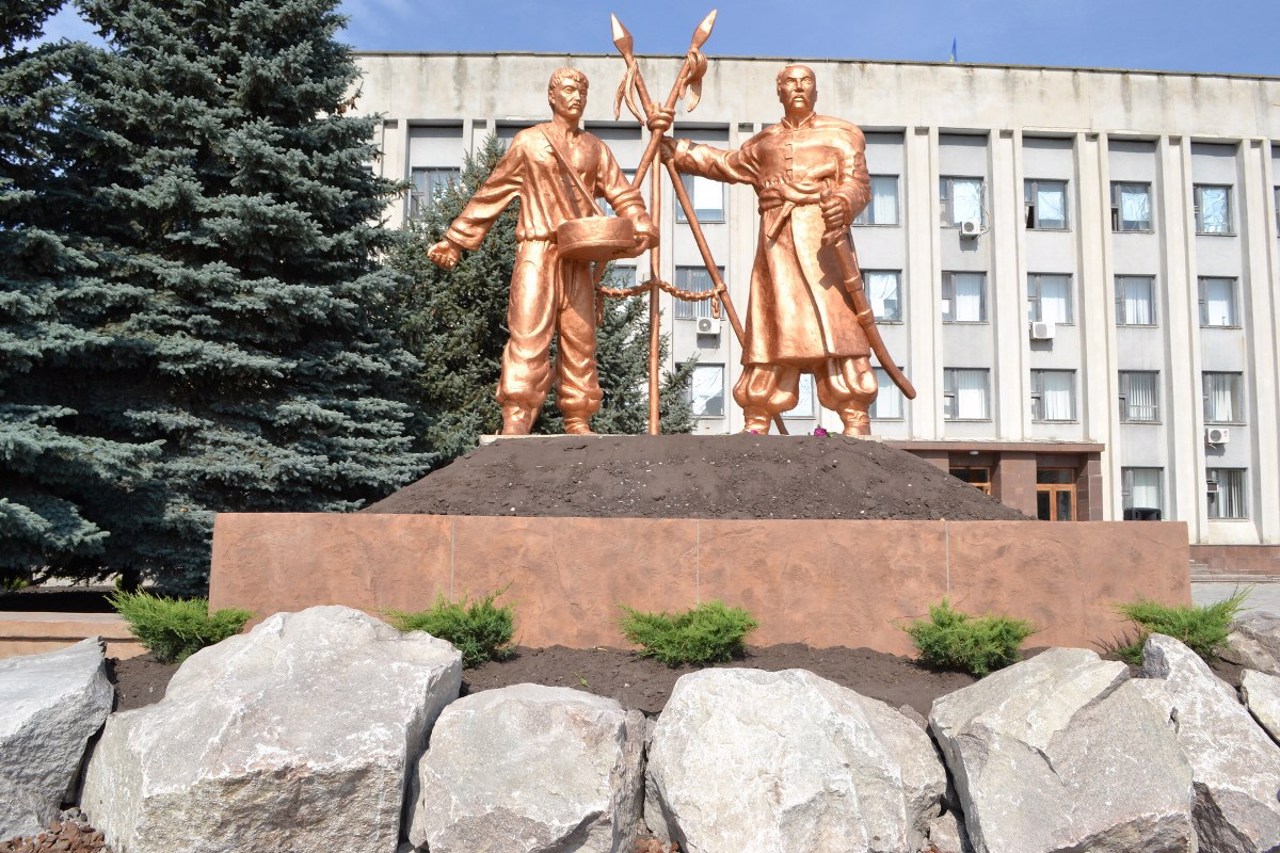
1060 753
531 768
1260 693
947 834
50 705
787 761
1234 765
1254 642
297 736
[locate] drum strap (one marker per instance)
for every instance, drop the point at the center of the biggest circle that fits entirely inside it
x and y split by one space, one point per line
573 174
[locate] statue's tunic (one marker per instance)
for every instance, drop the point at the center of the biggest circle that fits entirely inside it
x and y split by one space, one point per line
800 309
548 294
531 170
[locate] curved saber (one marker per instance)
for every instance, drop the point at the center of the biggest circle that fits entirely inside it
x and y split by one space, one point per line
866 317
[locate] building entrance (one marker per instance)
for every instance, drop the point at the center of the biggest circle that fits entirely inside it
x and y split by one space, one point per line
1056 494
979 478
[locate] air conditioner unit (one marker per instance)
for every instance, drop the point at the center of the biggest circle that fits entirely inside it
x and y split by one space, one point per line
1042 331
1211 486
1217 435
970 228
708 326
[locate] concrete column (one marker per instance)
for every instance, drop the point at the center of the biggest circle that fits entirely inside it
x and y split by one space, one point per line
1007 285
1098 375
1181 324
923 273
1261 309
481 129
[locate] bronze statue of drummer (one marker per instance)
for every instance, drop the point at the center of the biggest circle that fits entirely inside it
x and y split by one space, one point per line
557 170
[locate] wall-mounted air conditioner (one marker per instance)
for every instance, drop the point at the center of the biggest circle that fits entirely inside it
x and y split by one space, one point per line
970 228
708 326
1042 331
1217 435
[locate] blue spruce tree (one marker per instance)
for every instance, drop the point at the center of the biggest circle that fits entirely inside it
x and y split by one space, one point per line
62 482
229 208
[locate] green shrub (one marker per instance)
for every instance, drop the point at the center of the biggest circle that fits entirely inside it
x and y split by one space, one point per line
175 629
481 630
1202 628
977 644
709 633
13 582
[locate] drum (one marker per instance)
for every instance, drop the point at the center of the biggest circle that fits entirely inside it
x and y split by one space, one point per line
597 238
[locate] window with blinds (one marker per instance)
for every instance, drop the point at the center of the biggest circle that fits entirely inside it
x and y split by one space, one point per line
1139 396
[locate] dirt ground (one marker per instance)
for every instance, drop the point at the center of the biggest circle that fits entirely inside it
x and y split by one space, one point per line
690 476
635 682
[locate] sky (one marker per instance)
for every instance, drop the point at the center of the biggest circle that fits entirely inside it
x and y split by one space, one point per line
1235 37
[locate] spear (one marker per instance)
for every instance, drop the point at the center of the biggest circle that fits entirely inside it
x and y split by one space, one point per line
689 79
690 76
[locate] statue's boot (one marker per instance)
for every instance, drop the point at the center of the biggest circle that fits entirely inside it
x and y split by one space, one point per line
577 425
756 420
517 419
856 421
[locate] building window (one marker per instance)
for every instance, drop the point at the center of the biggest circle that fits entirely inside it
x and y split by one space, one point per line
1277 194
1046 203
706 391
698 280
1227 496
707 197
1135 300
426 184
630 175
964 297
1142 493
1213 209
979 478
1130 207
888 404
620 276
1049 298
961 201
883 287
1223 403
1218 302
805 406
966 393
1053 395
1139 396
883 207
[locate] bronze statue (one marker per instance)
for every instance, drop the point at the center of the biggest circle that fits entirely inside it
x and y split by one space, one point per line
558 171
807 311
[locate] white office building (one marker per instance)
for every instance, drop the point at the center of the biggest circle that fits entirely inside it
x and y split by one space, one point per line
1077 268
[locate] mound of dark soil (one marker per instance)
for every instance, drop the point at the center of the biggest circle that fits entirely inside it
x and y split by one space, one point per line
689 476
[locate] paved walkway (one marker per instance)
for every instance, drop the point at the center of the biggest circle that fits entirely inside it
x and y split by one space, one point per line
1265 594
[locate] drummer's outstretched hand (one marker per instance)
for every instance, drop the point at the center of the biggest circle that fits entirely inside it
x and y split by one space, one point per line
444 254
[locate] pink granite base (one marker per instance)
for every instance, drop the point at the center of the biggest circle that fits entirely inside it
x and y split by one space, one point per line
32 633
824 583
